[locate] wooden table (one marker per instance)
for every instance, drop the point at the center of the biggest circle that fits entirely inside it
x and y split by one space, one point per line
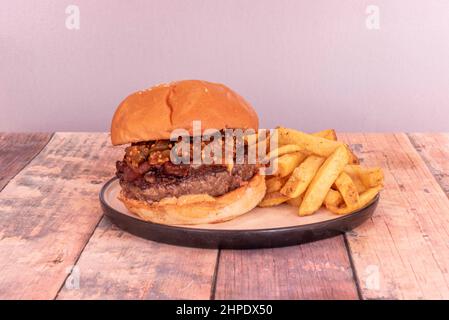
52 229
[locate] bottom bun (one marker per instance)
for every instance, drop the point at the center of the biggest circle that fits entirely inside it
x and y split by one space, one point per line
199 208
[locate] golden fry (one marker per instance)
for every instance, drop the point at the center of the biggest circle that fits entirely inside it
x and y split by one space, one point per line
359 185
323 180
333 198
272 199
288 162
257 137
275 183
364 199
328 134
349 169
296 202
302 176
347 189
370 177
307 142
279 152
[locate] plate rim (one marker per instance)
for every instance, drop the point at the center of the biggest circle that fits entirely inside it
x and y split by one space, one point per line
205 230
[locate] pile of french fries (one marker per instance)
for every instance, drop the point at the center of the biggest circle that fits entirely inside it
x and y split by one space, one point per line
315 170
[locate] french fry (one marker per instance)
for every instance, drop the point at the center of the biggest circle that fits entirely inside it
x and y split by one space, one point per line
349 169
275 183
302 176
296 202
370 177
288 162
347 189
364 199
333 198
323 180
307 142
328 134
358 185
272 199
256 137
279 152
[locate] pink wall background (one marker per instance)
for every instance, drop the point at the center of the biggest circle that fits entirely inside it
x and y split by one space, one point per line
305 64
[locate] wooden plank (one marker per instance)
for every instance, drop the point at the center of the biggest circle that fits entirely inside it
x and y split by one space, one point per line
17 150
318 270
403 252
117 265
434 149
49 211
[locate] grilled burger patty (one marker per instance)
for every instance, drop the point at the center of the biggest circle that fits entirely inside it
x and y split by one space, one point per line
155 182
146 173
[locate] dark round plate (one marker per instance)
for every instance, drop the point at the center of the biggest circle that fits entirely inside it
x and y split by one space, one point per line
260 228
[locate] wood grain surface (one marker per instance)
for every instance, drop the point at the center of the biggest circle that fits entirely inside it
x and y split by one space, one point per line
317 270
434 149
403 252
49 211
51 229
17 150
117 265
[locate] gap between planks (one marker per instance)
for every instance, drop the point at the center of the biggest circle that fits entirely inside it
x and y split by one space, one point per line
214 278
434 150
69 274
25 156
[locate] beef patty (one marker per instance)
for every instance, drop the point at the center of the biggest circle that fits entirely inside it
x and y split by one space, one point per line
153 182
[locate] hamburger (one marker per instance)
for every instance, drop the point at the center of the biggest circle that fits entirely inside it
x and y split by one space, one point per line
158 189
